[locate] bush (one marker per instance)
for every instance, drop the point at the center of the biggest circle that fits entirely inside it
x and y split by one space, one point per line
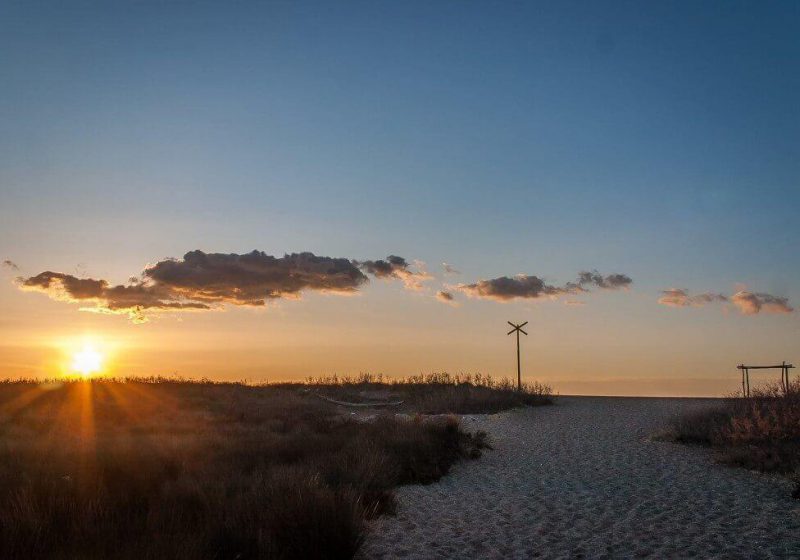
761 432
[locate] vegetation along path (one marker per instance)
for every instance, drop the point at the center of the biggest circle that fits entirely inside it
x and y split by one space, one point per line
584 479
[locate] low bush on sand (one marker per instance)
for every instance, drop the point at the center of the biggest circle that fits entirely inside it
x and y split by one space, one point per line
157 468
761 432
436 393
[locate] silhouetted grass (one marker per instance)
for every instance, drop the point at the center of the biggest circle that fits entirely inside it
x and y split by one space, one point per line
436 393
761 432
159 468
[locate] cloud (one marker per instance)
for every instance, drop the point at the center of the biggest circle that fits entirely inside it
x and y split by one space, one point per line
210 280
526 286
66 286
610 282
253 278
10 264
394 267
574 302
750 303
680 297
131 300
448 269
505 288
445 297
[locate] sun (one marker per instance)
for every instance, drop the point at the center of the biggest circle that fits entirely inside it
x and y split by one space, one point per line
88 362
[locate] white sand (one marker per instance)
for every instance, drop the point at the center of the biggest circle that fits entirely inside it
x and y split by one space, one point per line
583 479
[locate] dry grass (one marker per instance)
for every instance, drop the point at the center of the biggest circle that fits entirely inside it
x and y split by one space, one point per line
156 468
761 432
436 393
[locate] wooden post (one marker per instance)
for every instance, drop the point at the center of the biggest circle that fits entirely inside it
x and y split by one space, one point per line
783 377
744 393
518 329
747 376
519 367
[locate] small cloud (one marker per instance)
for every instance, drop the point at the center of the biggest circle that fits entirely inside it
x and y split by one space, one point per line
680 297
449 269
574 302
446 297
10 265
394 267
527 286
750 303
507 288
610 282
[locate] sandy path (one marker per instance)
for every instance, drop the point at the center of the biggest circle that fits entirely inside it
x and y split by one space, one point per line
582 480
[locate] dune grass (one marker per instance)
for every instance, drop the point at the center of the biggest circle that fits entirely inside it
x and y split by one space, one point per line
158 468
437 393
761 432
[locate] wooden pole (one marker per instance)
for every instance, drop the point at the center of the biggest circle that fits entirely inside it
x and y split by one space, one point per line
518 329
783 377
786 375
519 368
744 394
747 376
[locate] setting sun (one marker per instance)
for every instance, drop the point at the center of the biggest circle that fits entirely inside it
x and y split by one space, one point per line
87 362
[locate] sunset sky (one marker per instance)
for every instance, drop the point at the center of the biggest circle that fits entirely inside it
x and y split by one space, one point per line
152 148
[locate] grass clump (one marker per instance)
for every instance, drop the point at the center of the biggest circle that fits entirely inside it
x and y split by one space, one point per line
436 393
159 468
761 432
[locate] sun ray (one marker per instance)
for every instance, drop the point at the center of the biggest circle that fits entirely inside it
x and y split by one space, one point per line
21 401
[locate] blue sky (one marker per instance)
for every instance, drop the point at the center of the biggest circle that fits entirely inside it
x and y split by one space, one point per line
660 140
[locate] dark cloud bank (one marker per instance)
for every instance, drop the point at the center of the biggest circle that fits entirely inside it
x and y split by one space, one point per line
208 280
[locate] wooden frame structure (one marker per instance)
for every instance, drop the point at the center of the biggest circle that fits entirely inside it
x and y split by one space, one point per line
784 367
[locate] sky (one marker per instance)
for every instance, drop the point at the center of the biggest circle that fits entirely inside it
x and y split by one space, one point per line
152 147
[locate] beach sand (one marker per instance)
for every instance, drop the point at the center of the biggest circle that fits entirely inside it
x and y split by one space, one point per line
584 479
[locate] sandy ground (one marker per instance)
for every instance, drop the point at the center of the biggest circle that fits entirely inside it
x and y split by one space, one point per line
583 479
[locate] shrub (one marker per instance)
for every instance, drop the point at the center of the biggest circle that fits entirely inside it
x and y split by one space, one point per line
761 432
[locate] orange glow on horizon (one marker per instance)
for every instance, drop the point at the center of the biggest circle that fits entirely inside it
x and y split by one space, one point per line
84 357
